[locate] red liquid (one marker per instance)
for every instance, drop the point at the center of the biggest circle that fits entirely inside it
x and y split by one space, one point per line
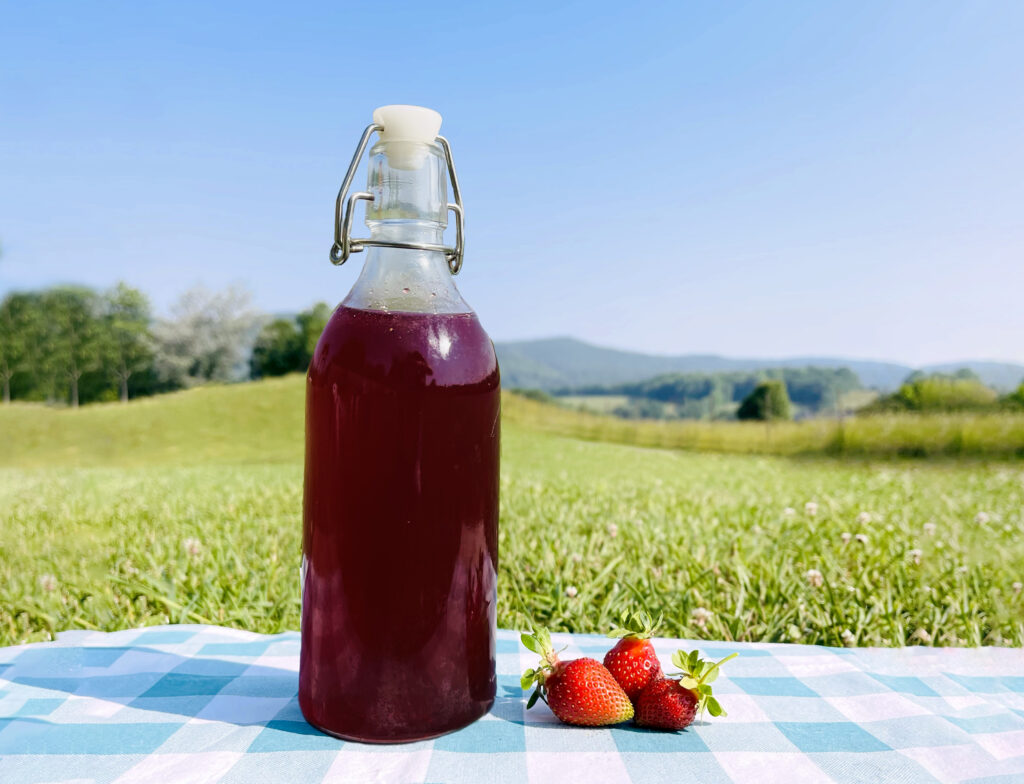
400 529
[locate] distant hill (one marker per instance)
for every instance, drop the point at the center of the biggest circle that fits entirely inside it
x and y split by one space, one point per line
554 363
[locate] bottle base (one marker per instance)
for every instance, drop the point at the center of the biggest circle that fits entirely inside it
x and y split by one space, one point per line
377 741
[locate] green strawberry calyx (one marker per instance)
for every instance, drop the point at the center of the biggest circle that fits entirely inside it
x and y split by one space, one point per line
538 641
636 625
697 675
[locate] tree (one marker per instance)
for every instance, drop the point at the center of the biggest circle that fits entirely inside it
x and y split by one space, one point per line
73 312
311 325
768 401
128 344
206 338
279 349
15 314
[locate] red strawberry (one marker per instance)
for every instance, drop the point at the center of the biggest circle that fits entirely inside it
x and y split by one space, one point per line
671 703
666 704
578 691
632 661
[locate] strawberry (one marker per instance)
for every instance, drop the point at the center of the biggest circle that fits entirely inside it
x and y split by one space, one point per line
632 661
666 704
671 703
578 691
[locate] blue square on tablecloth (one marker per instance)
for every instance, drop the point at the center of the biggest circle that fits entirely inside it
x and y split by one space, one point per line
629 737
507 646
774 687
40 706
906 684
38 736
34 768
293 736
978 684
996 722
830 736
253 685
1013 683
486 735
175 684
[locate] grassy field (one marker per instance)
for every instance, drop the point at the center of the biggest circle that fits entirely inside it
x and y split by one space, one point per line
996 435
186 508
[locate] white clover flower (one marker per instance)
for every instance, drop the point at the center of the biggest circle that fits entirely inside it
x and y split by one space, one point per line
962 570
862 538
929 528
848 638
814 578
656 572
701 616
864 518
576 558
846 536
571 592
788 511
915 555
1017 587
613 530
981 518
811 508
193 547
890 528
922 635
48 582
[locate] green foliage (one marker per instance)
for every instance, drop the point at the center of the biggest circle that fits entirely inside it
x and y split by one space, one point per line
938 393
707 395
767 402
99 506
72 344
285 346
279 350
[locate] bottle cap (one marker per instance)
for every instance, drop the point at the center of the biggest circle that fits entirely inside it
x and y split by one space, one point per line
403 129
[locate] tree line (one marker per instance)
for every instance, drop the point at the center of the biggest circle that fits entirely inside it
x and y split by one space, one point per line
74 344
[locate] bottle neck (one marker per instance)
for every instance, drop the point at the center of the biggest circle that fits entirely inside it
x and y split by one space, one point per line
410 189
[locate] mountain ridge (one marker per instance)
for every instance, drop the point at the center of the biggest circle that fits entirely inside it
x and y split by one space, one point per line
567 362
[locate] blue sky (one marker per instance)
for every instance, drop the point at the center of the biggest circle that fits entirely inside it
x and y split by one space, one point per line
751 179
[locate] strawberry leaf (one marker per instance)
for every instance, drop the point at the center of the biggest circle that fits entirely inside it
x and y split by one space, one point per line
679 660
714 708
688 682
533 699
528 678
531 643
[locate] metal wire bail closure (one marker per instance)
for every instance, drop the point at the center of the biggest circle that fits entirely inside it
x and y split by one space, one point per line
344 245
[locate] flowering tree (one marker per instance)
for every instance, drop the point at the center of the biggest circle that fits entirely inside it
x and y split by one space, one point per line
206 338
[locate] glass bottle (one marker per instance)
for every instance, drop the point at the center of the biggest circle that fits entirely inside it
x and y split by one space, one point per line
400 513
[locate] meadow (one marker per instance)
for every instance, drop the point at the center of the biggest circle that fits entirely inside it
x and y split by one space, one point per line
186 508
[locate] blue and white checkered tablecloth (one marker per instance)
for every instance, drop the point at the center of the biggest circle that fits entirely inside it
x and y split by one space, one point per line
208 704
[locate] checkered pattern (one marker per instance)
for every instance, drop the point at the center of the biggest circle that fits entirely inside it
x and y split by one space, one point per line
206 704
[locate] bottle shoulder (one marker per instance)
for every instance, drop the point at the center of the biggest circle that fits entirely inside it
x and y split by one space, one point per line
403 348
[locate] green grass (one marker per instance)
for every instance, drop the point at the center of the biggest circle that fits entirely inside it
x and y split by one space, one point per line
98 507
995 435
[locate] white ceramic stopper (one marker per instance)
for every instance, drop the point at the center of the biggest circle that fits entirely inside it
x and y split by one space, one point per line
405 128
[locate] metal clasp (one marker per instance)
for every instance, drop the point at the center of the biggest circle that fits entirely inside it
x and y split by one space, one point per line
345 245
